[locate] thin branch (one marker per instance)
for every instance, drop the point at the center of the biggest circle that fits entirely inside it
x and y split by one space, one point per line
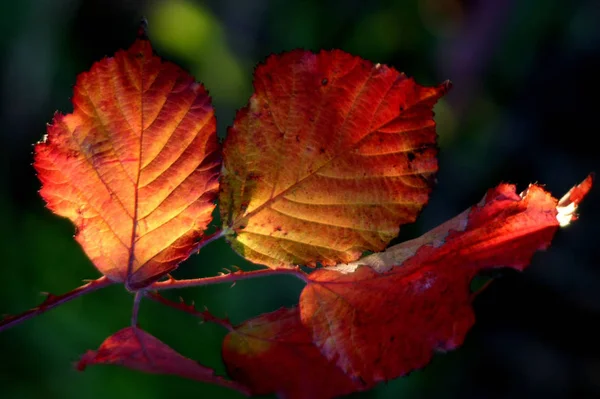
53 301
230 277
208 239
204 315
136 308
201 244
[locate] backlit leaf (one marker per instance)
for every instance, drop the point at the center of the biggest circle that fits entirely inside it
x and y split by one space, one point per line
136 349
384 315
330 156
135 166
274 353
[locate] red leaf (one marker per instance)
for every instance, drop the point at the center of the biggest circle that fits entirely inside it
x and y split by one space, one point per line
274 353
135 166
384 315
136 349
330 156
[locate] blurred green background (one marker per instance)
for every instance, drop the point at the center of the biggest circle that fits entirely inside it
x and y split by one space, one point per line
522 110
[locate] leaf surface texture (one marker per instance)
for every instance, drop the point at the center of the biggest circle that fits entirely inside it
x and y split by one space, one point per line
385 315
329 157
135 166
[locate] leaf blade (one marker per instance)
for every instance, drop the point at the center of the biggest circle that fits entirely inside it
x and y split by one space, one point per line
273 353
329 146
135 166
135 349
423 303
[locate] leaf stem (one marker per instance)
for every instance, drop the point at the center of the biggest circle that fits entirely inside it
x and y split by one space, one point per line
53 301
208 239
231 277
136 307
204 315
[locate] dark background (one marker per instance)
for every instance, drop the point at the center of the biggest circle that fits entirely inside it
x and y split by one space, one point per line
523 109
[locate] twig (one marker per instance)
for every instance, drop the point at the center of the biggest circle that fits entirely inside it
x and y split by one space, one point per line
208 239
201 244
136 307
53 301
205 315
232 277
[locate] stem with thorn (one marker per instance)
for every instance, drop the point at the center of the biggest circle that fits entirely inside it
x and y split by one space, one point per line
53 301
204 315
232 277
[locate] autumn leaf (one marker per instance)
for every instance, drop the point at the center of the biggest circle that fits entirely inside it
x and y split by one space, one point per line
330 156
274 353
136 349
384 315
135 166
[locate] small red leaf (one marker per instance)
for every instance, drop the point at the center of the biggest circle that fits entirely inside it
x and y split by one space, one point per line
384 315
274 353
136 349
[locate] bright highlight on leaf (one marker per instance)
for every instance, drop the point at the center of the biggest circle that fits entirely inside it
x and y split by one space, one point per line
136 349
386 314
330 156
135 166
567 205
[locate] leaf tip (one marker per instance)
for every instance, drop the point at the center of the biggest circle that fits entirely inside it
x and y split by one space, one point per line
142 33
567 205
443 88
85 359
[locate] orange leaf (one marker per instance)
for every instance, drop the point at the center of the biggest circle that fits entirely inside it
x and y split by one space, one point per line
274 353
135 166
330 156
136 349
384 315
